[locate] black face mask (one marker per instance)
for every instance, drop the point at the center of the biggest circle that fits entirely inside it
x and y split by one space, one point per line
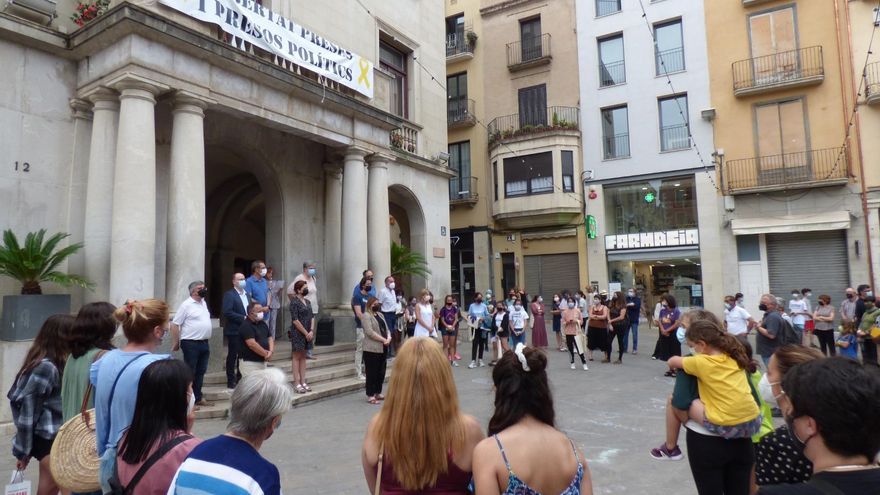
376 309
306 291
850 296
203 292
762 307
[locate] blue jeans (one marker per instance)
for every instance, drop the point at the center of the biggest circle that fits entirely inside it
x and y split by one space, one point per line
799 330
516 339
195 355
634 329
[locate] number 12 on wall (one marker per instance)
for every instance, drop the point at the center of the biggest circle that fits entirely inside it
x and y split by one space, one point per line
24 167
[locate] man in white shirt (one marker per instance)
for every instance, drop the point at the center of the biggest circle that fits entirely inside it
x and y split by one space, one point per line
388 298
191 330
737 321
798 310
307 275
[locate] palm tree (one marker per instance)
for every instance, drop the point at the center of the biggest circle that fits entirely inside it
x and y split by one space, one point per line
36 261
405 261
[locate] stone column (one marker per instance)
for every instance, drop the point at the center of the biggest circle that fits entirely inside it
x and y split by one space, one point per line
79 170
99 193
133 244
354 219
185 258
332 269
379 231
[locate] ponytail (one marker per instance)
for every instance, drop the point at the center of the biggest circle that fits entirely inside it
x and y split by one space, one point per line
139 318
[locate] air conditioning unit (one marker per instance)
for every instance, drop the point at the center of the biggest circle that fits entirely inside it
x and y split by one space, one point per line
20 8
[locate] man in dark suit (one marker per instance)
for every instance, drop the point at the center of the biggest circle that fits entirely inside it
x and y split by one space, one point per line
235 300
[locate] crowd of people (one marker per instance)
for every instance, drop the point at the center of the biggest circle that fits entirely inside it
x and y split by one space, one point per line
420 441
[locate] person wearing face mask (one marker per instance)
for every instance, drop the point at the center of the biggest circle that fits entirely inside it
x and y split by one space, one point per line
667 343
309 275
231 462
501 329
737 321
115 376
597 327
740 299
848 309
478 314
868 324
377 337
869 348
556 310
235 303
633 312
834 415
571 327
388 300
191 332
425 316
778 459
258 345
770 329
539 326
584 307
809 324
449 327
160 437
358 307
797 310
257 287
518 320
824 325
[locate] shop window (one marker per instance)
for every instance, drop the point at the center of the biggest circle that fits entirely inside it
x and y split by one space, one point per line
680 277
529 174
567 171
748 248
651 206
394 62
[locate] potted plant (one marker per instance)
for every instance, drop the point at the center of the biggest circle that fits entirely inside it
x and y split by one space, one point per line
406 262
31 263
472 39
88 11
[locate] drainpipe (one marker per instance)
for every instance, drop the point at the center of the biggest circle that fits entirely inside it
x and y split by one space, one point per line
857 129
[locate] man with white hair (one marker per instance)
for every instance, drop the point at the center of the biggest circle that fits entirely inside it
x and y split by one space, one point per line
231 463
769 329
191 329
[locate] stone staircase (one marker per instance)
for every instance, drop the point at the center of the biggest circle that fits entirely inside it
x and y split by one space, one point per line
331 374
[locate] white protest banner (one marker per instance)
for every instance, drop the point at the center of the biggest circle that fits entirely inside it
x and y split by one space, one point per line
283 37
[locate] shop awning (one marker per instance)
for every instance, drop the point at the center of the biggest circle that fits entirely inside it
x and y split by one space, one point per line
834 220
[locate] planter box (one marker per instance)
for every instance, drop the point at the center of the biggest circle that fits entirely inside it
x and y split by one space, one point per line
23 315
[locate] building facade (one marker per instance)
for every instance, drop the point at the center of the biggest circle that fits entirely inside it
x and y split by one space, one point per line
781 88
524 228
181 141
652 197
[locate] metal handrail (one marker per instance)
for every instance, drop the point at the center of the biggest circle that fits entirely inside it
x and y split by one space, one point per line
528 50
459 111
809 166
612 73
872 79
550 119
616 146
669 61
783 67
463 188
459 42
674 137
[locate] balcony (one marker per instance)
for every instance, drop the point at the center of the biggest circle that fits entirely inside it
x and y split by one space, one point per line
803 169
460 45
460 113
612 73
872 83
551 119
675 137
616 146
669 61
552 208
463 191
406 138
783 70
528 52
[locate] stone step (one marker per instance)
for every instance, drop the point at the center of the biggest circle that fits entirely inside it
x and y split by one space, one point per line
317 375
324 359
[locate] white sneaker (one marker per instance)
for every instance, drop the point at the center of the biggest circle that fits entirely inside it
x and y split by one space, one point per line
573 366
586 368
455 363
472 365
362 377
482 364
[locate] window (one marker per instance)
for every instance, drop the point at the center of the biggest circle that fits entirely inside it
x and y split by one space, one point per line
605 7
651 206
530 39
495 178
529 174
673 123
533 106
615 132
395 62
456 94
460 163
567 171
774 35
781 134
612 69
456 40
669 50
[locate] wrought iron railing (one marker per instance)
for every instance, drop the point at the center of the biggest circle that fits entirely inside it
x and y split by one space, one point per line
612 73
788 169
669 61
616 146
872 82
460 111
606 7
543 120
459 42
674 137
790 67
405 138
463 189
528 50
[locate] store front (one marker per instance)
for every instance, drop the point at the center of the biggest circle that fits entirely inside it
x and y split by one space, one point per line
652 241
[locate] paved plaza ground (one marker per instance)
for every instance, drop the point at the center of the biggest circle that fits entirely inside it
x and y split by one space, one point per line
613 412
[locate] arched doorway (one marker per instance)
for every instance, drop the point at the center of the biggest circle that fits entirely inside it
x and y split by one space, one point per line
408 229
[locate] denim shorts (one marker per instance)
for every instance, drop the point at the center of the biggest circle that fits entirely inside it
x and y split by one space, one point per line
742 430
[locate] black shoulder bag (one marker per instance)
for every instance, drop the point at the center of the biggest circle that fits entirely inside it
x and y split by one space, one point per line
116 487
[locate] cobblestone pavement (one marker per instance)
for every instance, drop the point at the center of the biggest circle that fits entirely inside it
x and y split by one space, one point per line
614 413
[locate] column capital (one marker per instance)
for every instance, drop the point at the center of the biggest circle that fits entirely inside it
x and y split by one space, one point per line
380 160
333 170
356 153
82 109
184 101
134 86
103 98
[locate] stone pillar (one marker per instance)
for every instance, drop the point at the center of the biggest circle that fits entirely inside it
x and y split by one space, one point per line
79 170
133 244
186 200
99 193
379 231
330 289
354 219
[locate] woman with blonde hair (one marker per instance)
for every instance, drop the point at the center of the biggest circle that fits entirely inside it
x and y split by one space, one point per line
425 316
420 442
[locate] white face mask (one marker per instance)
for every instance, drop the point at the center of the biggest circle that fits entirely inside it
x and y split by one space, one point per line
596 302
258 316
391 286
765 388
631 294
517 307
540 299
571 305
192 403
262 272
242 284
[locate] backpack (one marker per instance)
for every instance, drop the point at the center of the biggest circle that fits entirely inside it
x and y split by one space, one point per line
787 335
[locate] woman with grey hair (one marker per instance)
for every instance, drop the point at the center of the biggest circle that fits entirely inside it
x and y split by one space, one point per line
258 402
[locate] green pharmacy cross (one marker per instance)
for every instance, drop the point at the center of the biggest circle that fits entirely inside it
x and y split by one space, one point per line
650 197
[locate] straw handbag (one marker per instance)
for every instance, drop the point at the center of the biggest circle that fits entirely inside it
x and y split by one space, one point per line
74 459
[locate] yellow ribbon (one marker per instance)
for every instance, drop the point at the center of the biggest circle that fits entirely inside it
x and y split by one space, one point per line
364 77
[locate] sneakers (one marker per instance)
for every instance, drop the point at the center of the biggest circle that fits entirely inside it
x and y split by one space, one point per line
472 365
563 349
457 356
586 368
482 364
362 377
573 366
662 453
455 363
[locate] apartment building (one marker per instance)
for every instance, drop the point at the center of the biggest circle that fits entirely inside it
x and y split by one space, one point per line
532 199
781 89
644 86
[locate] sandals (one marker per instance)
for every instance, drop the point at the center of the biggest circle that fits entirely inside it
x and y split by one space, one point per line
299 389
306 387
379 397
372 400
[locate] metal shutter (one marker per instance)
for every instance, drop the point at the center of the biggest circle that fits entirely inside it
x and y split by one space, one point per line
551 274
817 260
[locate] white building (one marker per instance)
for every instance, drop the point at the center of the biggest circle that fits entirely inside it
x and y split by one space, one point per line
656 208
